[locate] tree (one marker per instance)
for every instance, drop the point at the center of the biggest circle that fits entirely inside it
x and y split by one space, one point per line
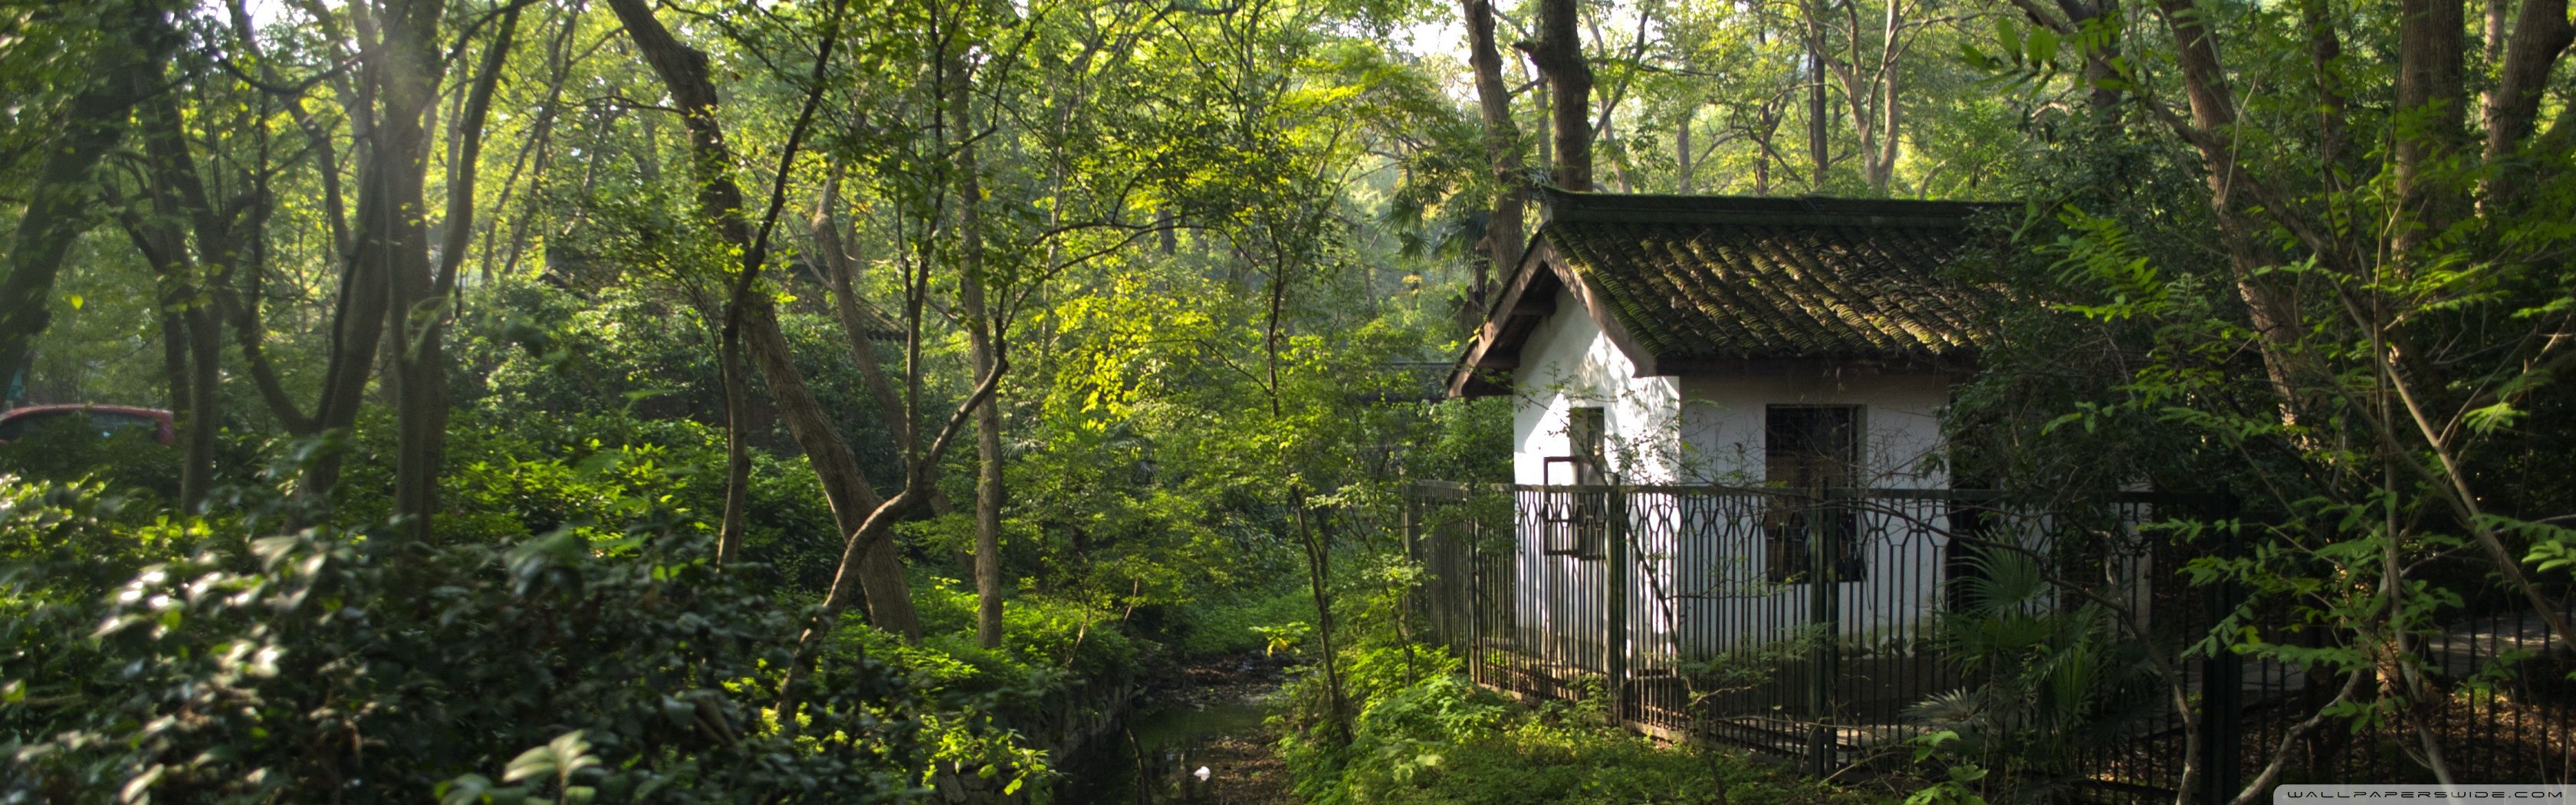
1501 246
863 517
2399 303
1558 52
109 58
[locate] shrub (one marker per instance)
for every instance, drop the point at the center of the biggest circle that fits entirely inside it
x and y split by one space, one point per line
197 660
1440 739
1223 625
63 449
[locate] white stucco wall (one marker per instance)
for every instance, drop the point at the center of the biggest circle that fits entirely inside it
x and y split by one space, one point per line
1901 553
1568 363
1722 423
1701 588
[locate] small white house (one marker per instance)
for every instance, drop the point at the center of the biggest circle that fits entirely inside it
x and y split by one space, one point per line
1733 343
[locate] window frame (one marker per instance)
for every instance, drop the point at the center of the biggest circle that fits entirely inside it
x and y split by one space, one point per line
1787 532
1576 523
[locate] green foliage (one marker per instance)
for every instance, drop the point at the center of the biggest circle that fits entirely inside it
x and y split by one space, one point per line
1006 706
197 660
2057 682
1212 627
1958 787
1424 734
514 476
62 450
534 349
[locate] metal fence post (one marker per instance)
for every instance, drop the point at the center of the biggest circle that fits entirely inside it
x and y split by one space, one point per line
1824 533
1615 610
2222 689
1415 602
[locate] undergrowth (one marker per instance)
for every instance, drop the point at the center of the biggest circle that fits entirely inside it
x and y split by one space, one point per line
1424 734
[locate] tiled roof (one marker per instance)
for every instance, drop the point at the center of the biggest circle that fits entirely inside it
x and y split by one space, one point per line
1683 280
1771 291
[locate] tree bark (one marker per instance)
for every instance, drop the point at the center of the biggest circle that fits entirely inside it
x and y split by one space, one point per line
1817 142
737 490
2540 38
2272 310
855 506
178 199
401 74
57 209
984 354
2429 114
1682 153
188 341
1882 171
841 269
1503 226
988 456
2100 67
2325 48
1559 54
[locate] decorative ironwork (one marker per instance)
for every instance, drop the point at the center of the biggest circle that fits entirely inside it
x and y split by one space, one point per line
1680 619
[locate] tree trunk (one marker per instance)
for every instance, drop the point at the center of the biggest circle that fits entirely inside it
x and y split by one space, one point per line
1319 576
855 505
1559 54
2429 113
402 75
1540 95
188 347
2273 311
1882 171
1816 123
205 410
2099 61
988 475
984 346
1682 154
56 209
1503 236
2540 37
845 486
737 496
358 327
192 336
841 269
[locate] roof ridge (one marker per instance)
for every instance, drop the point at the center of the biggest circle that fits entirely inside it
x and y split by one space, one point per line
1570 207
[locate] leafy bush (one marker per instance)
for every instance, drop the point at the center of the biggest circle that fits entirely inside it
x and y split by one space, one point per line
1440 739
514 477
1049 644
1007 707
64 449
2057 685
196 660
1233 624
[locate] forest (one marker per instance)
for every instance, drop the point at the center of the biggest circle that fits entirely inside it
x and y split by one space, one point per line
774 401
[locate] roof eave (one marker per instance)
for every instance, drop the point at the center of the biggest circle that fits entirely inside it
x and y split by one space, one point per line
1526 299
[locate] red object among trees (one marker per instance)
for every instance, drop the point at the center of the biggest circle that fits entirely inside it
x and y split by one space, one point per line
106 418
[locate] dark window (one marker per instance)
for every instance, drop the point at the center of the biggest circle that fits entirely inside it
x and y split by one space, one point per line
1584 434
108 424
1576 524
18 427
103 423
1808 449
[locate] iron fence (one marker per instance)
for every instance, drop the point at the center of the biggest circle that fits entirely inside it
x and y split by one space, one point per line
1805 623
